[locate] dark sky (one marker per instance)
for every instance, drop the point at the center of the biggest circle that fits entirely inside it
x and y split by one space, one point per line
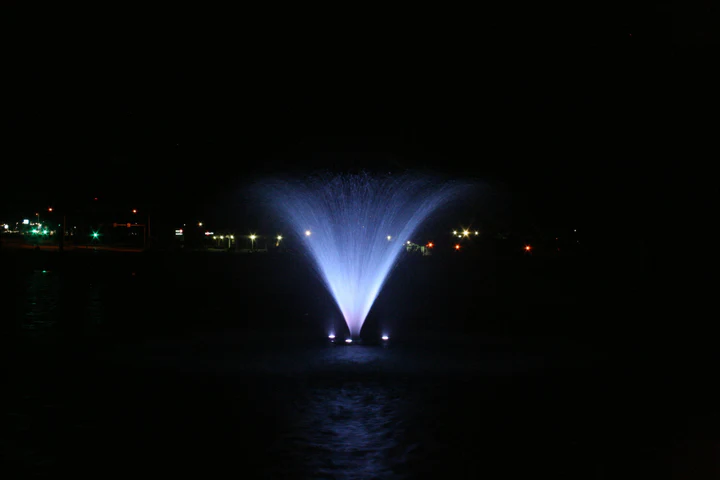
579 114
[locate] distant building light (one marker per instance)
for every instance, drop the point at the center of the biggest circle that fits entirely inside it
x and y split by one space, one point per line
209 233
408 242
178 232
26 222
199 224
6 226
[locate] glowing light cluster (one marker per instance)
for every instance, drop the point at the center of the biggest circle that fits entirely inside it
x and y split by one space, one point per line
349 217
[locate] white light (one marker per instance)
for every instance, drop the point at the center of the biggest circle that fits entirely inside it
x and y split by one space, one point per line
222 237
6 226
214 237
232 237
199 224
454 232
26 222
389 238
307 232
253 237
466 233
408 242
279 237
476 232
385 337
331 336
348 340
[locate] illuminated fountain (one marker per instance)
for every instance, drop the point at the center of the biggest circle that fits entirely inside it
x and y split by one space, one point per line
355 226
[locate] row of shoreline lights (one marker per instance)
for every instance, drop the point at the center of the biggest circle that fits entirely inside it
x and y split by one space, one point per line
465 233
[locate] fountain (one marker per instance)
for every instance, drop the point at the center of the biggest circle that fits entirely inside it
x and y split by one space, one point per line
355 226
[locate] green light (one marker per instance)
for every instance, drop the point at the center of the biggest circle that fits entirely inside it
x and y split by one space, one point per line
44 271
44 232
95 235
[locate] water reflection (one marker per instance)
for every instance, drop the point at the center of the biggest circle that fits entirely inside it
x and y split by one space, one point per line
53 303
349 428
40 302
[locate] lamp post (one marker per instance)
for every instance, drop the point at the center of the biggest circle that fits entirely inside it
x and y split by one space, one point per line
279 237
252 242
61 244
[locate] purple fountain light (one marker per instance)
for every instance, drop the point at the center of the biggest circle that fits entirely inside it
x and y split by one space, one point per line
354 227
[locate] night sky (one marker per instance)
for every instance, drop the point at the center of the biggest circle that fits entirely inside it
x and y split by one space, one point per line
581 117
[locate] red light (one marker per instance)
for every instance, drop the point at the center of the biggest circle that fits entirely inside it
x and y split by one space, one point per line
134 211
527 248
457 246
95 198
430 245
50 209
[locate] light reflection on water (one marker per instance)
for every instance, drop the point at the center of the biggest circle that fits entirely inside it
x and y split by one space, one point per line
353 431
40 302
49 303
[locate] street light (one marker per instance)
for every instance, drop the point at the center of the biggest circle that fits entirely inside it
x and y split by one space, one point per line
279 237
134 210
199 224
49 209
252 242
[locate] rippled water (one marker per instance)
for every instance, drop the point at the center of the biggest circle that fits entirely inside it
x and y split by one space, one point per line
117 367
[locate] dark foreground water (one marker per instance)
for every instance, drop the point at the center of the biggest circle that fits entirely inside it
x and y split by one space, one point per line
213 365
